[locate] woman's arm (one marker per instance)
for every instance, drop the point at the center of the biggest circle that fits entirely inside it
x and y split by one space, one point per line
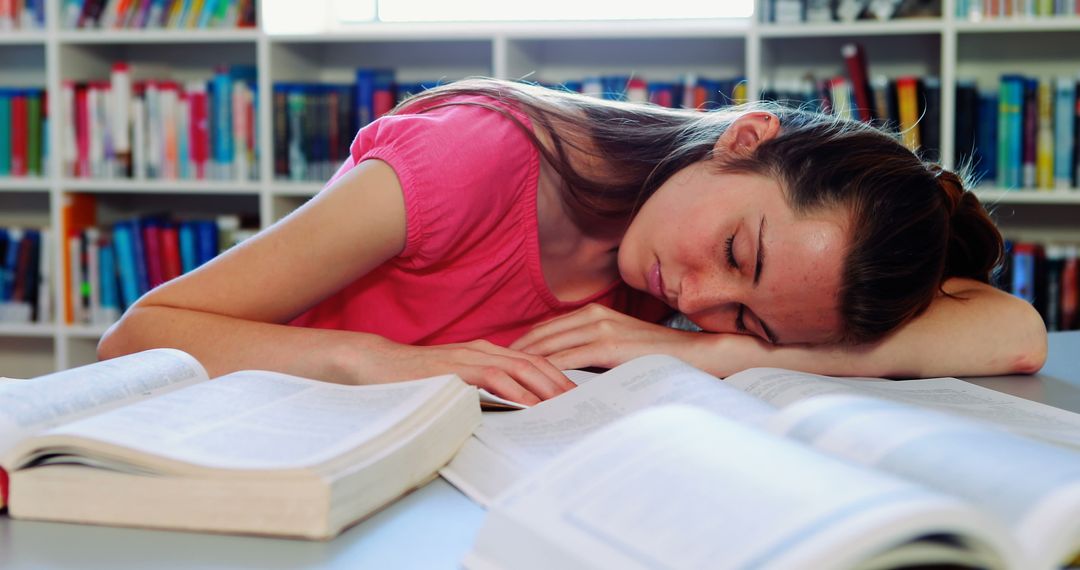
980 331
231 312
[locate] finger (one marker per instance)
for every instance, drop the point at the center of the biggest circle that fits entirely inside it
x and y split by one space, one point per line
500 383
553 375
533 379
585 356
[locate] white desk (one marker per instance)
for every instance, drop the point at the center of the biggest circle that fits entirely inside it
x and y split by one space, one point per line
430 528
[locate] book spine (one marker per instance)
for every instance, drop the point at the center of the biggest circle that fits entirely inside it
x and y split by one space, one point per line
188 257
44 308
1070 290
1030 118
1044 145
222 126
18 134
75 280
69 150
110 294
120 79
170 252
855 60
124 251
34 133
206 240
907 99
1064 111
5 133
91 242
151 239
295 111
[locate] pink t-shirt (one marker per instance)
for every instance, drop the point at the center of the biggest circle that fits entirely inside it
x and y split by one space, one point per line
471 264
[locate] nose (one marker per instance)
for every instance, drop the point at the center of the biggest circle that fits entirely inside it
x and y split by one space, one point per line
699 295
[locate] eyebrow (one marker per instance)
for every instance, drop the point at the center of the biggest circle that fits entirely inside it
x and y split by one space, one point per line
757 276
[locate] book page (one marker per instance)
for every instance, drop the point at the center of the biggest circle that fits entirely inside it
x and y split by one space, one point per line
782 387
31 406
1031 486
533 436
677 487
258 420
508 445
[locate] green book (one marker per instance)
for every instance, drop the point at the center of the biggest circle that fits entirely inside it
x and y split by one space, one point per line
33 132
5 132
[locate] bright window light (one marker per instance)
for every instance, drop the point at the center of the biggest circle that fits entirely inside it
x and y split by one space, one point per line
501 10
317 16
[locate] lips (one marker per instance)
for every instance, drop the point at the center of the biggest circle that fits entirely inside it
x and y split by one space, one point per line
655 281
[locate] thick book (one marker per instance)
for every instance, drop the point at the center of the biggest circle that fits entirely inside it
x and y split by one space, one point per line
148 440
773 468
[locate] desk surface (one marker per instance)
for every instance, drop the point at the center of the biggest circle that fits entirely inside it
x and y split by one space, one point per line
430 528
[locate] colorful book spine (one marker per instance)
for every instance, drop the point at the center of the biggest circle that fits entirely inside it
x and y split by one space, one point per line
5 132
1064 130
1044 144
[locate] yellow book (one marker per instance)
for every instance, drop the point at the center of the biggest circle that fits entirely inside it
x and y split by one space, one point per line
1044 141
193 14
740 93
907 97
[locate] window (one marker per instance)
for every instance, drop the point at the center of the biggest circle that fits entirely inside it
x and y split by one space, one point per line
289 16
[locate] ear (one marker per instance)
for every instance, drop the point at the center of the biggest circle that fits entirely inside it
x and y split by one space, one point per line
746 132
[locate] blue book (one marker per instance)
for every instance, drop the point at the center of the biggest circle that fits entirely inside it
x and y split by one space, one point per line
208 9
1064 115
1011 163
123 245
986 134
5 132
368 82
5 243
1023 271
11 263
142 273
206 239
109 291
188 257
221 88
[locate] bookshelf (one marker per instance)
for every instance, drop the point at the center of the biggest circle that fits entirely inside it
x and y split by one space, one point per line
551 51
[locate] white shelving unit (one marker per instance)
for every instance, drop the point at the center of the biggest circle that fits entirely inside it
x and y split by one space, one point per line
550 51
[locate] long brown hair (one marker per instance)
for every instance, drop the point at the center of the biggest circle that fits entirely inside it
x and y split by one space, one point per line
912 224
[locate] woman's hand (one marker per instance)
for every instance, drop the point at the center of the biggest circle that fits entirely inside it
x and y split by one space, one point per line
598 336
510 374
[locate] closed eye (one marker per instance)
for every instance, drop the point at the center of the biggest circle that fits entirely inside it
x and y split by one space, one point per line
729 252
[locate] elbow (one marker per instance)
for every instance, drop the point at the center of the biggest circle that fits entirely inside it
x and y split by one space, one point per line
120 338
1029 353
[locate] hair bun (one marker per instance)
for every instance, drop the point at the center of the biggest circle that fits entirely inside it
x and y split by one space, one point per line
952 189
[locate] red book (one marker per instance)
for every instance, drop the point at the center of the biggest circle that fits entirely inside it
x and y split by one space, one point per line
82 132
3 487
383 101
1070 294
152 244
858 73
200 131
18 135
170 252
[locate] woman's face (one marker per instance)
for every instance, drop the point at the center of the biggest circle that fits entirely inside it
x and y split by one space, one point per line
728 251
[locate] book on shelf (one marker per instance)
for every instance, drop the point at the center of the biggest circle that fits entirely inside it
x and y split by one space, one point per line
773 468
978 10
161 129
23 123
22 15
1047 276
158 14
25 284
828 11
109 267
149 440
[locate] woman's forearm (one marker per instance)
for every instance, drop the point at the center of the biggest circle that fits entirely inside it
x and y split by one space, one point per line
226 344
980 332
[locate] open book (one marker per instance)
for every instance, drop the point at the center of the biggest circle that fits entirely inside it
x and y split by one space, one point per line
149 440
773 469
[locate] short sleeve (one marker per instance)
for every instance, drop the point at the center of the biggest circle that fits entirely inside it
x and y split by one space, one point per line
462 169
